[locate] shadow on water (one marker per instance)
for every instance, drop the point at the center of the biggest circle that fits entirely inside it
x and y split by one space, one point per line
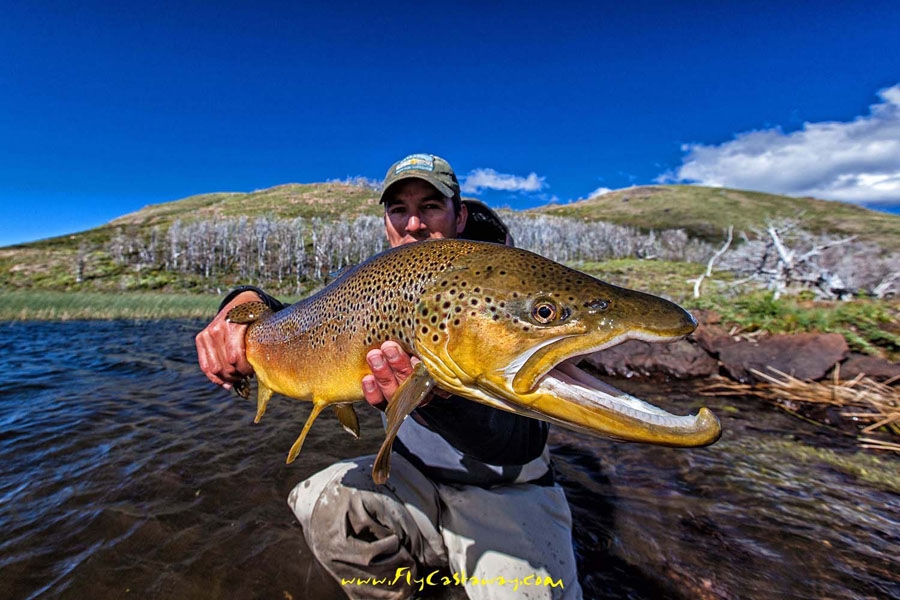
125 472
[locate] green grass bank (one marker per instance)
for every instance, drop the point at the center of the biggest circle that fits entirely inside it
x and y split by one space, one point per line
45 305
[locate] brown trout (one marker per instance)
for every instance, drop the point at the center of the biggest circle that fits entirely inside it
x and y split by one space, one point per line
492 323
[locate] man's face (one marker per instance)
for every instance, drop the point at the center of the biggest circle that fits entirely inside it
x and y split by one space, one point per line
417 211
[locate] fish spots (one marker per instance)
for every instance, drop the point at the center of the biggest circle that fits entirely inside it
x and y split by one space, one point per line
430 289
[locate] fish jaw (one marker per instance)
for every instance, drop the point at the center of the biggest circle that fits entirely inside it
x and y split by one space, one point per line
570 397
567 396
549 384
576 400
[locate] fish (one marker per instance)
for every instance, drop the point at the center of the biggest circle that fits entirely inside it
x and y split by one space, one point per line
495 324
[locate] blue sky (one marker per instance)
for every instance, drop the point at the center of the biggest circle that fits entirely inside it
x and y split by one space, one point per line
106 107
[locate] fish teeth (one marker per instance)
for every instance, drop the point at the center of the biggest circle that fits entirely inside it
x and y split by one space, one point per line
570 382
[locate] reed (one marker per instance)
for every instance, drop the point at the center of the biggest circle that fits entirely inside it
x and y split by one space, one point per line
45 305
874 405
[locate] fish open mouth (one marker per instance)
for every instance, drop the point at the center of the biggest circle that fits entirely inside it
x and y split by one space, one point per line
577 400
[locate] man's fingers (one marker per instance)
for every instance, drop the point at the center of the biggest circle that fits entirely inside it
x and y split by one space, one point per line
221 353
399 361
372 392
235 350
390 366
382 372
209 362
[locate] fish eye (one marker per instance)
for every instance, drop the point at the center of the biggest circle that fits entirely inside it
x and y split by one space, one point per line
544 312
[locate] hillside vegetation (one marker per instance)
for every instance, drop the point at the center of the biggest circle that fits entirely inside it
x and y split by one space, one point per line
323 200
290 236
705 212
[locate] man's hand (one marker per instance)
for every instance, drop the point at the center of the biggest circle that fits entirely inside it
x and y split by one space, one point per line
220 347
390 365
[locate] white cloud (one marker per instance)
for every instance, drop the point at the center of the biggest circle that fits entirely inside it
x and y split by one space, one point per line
599 192
489 179
855 161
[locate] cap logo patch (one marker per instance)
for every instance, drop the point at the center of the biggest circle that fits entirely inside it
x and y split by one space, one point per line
415 162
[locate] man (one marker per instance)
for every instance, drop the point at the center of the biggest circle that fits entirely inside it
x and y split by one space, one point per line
470 487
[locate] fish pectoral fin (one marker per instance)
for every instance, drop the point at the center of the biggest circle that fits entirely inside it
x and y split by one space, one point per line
295 449
248 312
346 414
405 400
263 394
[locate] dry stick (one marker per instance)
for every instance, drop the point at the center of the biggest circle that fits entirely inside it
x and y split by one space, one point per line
876 444
890 419
886 284
709 265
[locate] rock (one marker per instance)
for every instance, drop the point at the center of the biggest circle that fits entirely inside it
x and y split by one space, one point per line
681 359
707 317
871 366
807 356
711 338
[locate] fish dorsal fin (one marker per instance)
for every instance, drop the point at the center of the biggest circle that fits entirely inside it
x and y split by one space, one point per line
295 449
248 312
263 394
346 414
405 400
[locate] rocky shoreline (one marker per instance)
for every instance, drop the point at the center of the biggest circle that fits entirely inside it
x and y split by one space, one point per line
714 350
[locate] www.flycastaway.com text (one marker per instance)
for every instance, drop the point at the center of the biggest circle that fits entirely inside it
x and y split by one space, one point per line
434 578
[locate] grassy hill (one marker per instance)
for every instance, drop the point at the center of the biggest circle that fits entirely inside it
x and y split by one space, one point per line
705 212
47 263
323 200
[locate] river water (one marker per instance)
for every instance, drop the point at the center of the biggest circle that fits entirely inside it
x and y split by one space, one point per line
125 473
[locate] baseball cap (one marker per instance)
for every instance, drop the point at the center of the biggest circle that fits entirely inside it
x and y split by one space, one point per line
433 169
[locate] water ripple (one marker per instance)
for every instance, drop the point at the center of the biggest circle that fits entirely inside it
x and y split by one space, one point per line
125 471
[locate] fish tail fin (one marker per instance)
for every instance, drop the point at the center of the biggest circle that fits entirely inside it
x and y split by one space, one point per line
295 449
242 388
248 312
263 394
405 400
346 414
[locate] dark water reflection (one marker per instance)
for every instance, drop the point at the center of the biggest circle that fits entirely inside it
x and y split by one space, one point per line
125 473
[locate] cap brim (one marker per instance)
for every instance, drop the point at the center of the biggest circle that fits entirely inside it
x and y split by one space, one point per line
441 187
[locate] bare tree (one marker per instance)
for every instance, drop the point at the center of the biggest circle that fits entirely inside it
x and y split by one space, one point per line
712 260
783 257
